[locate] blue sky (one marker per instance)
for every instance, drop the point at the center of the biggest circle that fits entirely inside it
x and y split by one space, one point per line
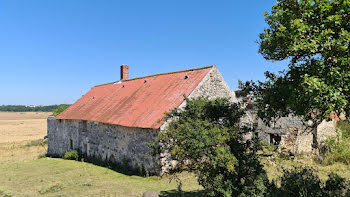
53 52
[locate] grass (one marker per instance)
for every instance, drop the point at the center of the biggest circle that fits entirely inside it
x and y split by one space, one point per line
39 142
23 174
337 148
49 176
5 193
344 126
274 165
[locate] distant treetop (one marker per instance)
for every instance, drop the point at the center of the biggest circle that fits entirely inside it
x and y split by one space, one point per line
25 108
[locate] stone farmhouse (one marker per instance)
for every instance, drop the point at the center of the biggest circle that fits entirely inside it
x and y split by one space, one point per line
114 121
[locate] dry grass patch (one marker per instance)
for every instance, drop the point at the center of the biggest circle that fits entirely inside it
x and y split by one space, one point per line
24 115
274 167
20 151
21 126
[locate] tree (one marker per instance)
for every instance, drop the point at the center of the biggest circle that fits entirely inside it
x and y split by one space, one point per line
314 36
60 109
206 138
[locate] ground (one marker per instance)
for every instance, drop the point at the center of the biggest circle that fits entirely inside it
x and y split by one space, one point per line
20 126
24 171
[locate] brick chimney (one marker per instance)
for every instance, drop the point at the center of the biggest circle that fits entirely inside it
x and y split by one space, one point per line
124 72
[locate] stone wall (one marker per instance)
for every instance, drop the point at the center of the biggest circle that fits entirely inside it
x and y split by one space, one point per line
105 142
294 134
213 86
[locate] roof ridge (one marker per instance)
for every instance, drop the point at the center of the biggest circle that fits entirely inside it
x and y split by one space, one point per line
160 74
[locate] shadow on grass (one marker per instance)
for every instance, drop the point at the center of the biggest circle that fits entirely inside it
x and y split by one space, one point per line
122 167
175 193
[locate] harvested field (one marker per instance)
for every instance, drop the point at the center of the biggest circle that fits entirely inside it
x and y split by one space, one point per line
21 126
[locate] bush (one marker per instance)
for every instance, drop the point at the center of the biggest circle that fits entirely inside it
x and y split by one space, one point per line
302 181
206 138
71 155
336 186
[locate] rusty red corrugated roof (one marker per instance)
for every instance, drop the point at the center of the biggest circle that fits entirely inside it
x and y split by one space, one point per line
140 102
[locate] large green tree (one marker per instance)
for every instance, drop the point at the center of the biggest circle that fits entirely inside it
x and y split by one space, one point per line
314 36
206 138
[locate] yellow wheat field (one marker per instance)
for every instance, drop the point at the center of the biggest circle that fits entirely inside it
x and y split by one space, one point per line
22 126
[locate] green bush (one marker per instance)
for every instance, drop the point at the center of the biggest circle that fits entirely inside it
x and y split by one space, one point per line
71 155
304 182
300 182
206 138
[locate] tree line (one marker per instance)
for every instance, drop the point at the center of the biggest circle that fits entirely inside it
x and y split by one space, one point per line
24 108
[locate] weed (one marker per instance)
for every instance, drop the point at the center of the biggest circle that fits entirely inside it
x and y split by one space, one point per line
71 155
5 193
53 188
87 184
39 142
42 156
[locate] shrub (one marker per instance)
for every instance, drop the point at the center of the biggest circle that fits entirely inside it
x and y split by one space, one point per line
206 138
304 182
71 155
336 186
300 182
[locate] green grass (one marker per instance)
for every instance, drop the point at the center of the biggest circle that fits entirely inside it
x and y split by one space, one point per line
337 148
4 193
39 142
52 177
344 126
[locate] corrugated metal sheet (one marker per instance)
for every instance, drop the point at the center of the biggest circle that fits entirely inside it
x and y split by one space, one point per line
140 102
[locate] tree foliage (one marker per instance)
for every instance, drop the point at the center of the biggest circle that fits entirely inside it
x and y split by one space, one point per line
60 109
206 138
314 36
23 108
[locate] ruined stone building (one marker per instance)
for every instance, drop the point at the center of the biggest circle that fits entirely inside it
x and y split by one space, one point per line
291 133
114 121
